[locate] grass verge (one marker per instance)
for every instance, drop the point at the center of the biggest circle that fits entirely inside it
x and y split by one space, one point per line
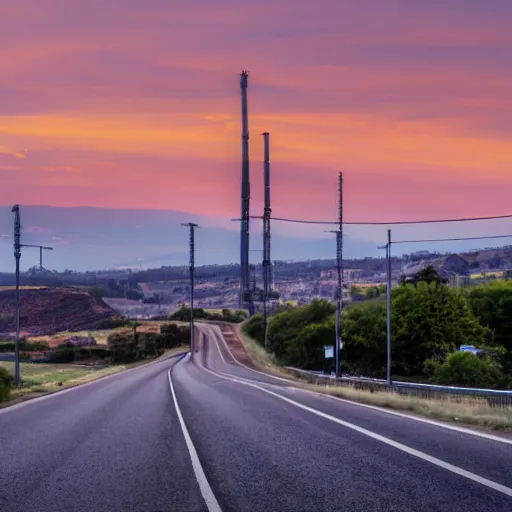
480 415
262 360
42 379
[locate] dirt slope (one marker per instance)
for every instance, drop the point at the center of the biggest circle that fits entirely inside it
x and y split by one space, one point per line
50 310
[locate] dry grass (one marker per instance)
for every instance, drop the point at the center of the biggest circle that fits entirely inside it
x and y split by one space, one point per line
476 415
481 415
261 359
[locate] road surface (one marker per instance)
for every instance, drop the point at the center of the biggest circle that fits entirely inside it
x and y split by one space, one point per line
206 434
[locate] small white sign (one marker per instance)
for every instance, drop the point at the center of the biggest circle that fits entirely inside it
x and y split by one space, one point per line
328 352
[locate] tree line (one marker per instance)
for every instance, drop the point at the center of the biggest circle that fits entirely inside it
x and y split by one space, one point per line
430 321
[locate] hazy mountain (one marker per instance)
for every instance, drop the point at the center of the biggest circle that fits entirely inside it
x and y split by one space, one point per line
99 238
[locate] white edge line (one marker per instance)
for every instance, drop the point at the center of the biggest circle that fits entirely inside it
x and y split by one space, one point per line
382 409
246 367
204 486
447 426
399 446
9 408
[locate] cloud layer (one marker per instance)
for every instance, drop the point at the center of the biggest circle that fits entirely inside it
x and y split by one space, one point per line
136 104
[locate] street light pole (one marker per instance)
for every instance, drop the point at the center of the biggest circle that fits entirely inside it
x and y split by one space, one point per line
17 256
191 227
388 306
388 309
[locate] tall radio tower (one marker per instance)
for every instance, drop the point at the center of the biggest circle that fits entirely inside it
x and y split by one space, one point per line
246 194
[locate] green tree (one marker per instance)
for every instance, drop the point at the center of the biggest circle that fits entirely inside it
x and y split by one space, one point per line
428 275
430 321
492 305
254 328
285 327
364 339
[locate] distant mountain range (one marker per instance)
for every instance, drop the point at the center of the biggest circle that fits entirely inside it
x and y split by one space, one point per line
99 238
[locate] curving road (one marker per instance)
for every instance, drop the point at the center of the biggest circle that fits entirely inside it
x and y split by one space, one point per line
206 434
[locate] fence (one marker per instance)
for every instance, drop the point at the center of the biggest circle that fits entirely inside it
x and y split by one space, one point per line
470 396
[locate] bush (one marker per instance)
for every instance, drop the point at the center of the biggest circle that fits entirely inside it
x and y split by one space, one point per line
123 348
6 384
466 369
286 327
150 344
7 346
255 329
174 336
63 354
183 314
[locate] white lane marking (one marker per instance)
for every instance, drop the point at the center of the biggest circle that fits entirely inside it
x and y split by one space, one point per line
221 336
446 426
399 446
9 408
204 486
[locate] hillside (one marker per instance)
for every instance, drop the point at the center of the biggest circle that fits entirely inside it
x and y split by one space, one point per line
50 310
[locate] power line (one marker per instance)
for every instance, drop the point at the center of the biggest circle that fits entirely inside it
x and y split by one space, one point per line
383 223
451 239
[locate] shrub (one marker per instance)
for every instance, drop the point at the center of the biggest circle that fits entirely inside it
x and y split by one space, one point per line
466 369
6 384
150 344
183 314
123 348
254 328
7 346
173 335
63 354
284 328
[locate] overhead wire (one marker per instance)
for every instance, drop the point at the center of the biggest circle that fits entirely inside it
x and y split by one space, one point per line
383 223
450 239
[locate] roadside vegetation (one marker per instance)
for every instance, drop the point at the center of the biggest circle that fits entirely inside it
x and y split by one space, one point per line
223 315
40 379
75 359
430 321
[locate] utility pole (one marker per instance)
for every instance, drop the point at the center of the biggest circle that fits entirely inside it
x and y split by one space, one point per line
388 306
17 256
246 194
266 235
41 248
192 228
339 272
388 309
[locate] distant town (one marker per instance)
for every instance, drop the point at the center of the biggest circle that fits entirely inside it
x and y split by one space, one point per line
159 291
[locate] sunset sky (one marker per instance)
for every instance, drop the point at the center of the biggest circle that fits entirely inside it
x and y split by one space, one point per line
135 104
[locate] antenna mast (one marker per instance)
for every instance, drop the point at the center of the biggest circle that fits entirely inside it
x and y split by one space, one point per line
267 278
245 295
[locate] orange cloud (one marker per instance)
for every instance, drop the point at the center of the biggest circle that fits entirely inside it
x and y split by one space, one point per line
12 153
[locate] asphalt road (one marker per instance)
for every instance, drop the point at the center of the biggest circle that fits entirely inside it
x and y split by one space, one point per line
238 441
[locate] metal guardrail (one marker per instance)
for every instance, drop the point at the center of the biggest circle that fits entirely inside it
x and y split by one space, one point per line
474 396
